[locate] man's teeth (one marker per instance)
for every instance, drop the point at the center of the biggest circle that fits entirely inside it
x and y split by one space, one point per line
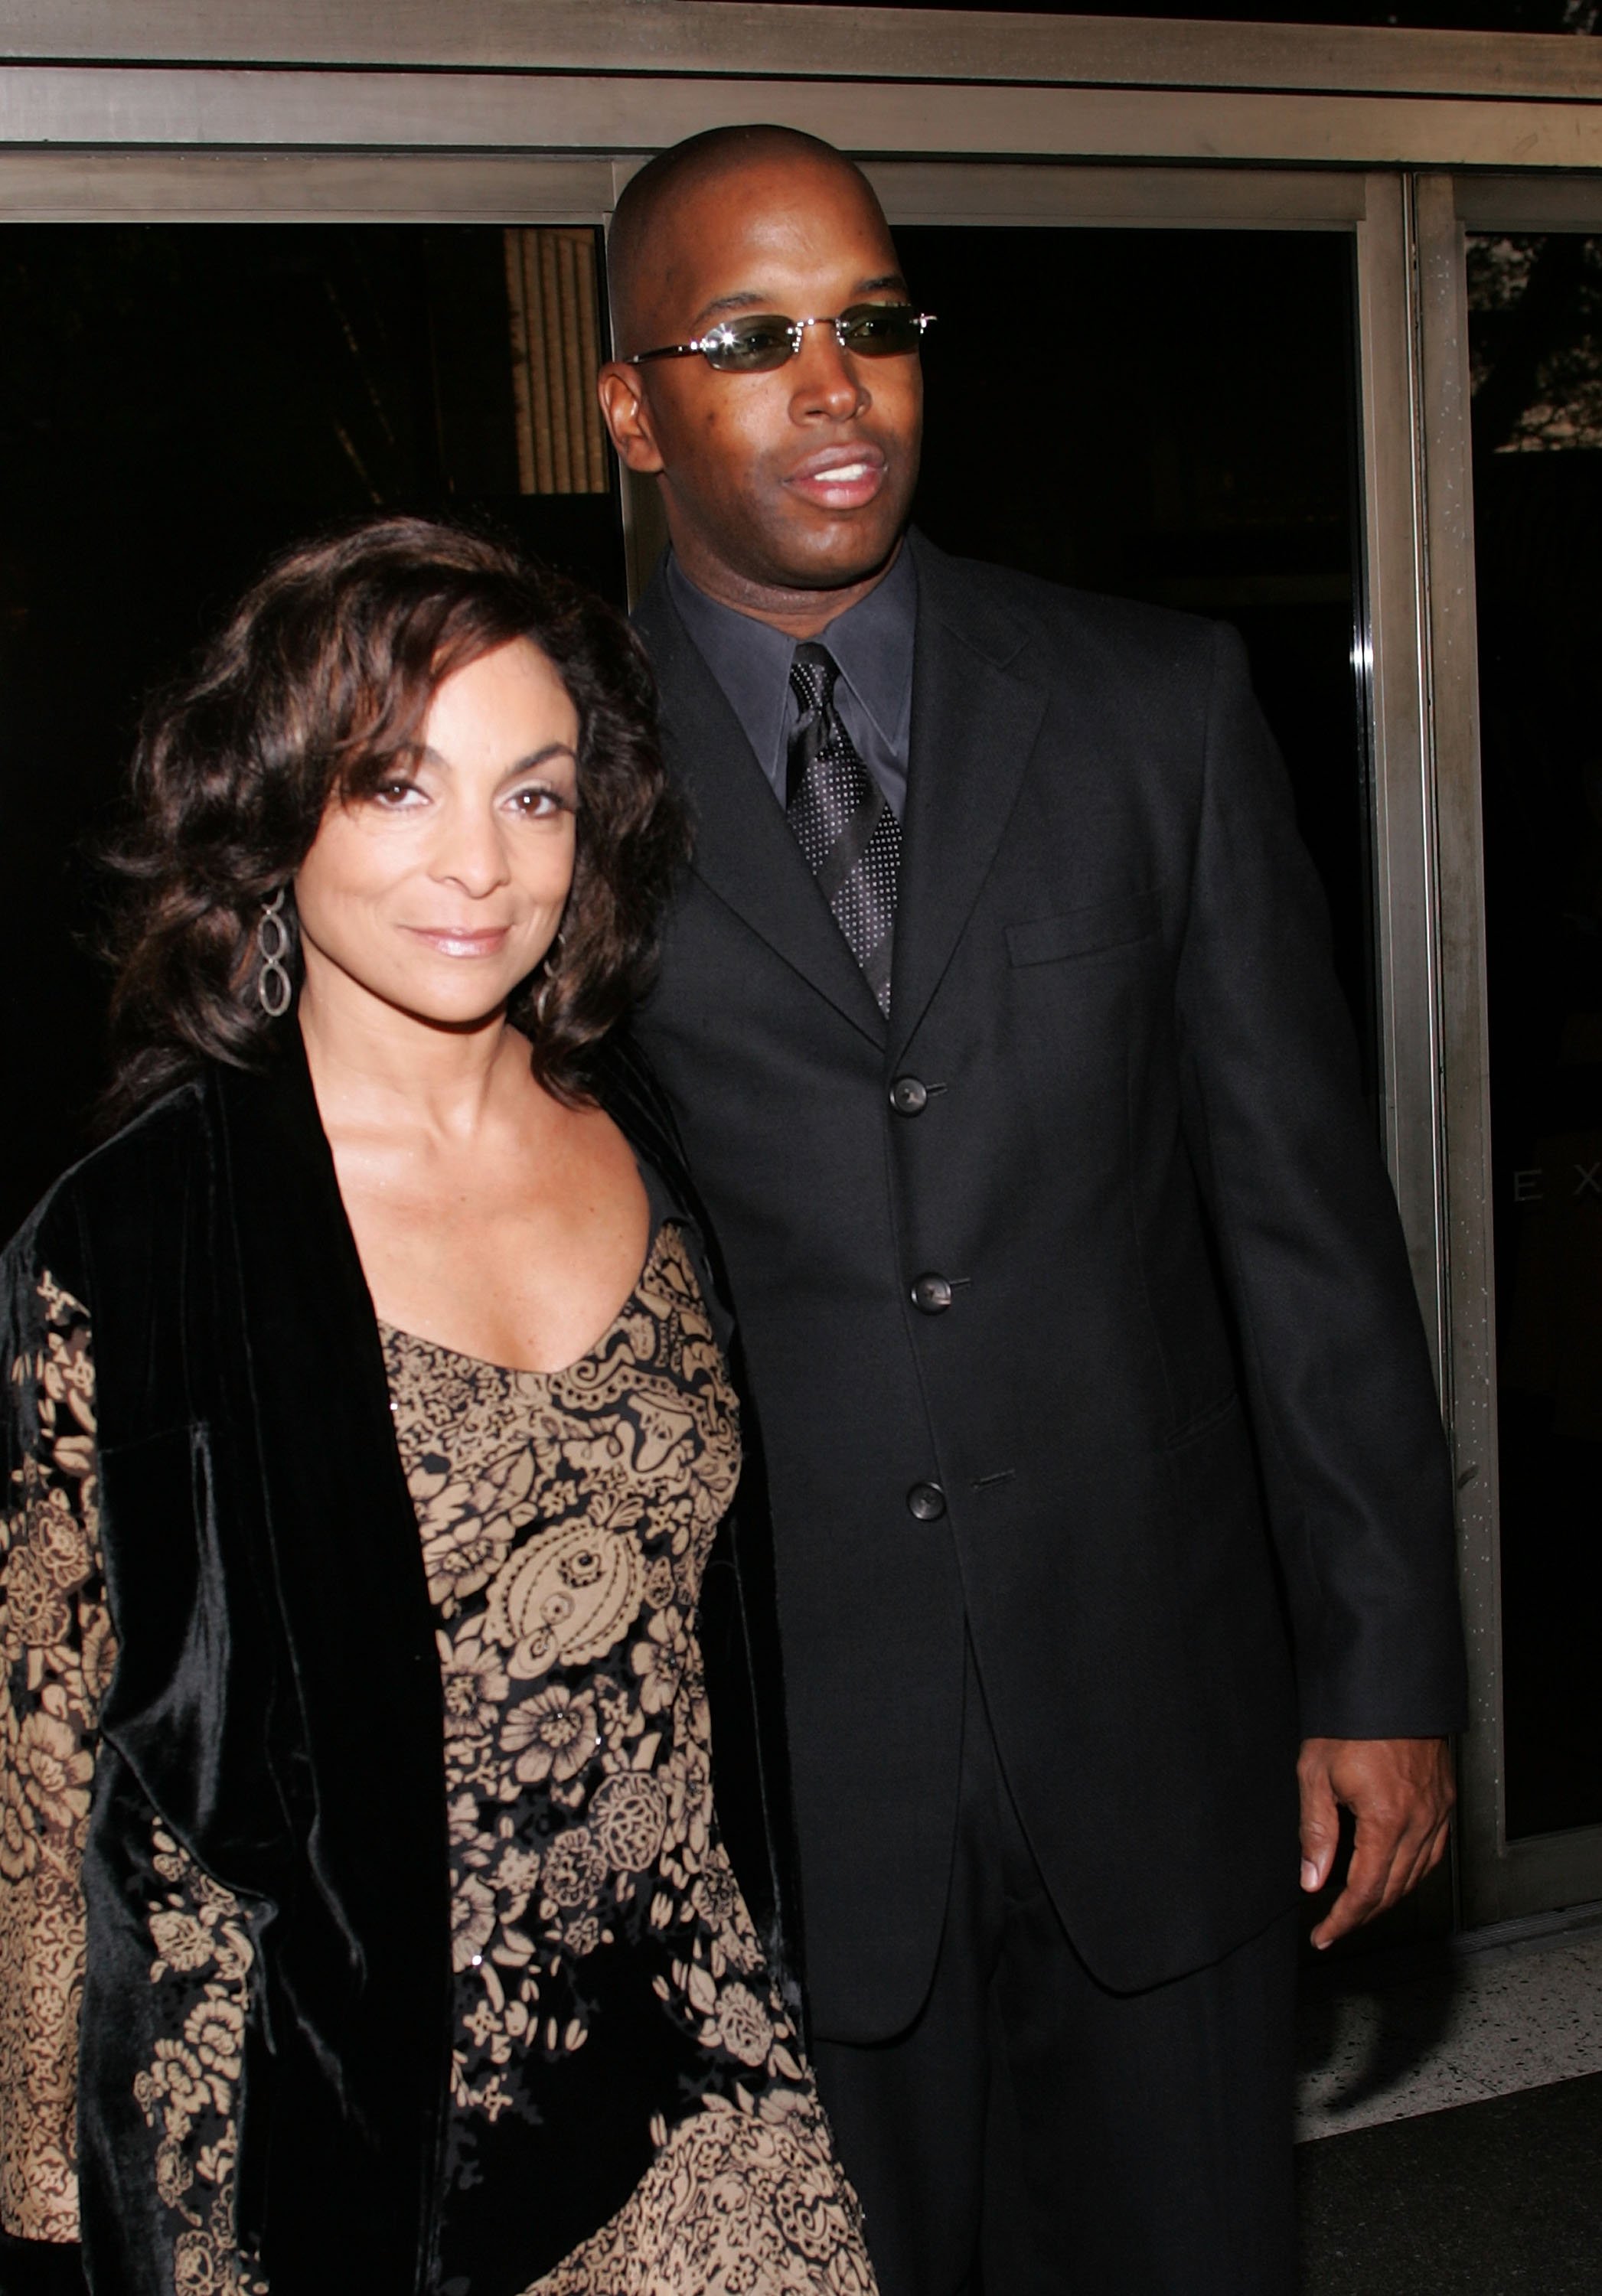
843 474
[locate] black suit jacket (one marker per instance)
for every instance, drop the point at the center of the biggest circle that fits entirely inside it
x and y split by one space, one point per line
1195 1497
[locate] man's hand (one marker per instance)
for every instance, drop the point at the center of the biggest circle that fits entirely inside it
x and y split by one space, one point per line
1400 1792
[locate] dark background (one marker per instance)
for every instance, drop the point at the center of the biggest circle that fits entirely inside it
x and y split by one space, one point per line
1536 339
1183 431
178 403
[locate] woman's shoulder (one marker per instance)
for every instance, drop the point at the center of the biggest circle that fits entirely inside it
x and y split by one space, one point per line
134 1178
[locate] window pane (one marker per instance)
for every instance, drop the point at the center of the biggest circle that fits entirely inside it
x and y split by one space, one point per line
1536 335
176 404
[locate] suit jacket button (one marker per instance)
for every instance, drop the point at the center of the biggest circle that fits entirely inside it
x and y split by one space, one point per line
908 1097
926 1502
931 1295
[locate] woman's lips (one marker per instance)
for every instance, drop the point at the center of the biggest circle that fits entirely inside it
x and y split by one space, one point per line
845 481
453 940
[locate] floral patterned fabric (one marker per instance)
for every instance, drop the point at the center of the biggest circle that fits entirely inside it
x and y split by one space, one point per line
56 1654
566 1522
204 1953
58 1651
740 2201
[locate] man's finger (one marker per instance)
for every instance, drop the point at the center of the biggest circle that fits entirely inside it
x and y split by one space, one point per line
1400 1792
1432 1850
1362 1897
1382 1856
1320 1824
1390 1856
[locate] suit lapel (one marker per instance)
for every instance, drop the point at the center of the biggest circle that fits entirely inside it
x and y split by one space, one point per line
744 851
976 714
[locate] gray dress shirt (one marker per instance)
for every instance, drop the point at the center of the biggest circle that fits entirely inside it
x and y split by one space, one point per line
872 642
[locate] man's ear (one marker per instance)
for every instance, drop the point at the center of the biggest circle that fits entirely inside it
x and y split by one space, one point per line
627 417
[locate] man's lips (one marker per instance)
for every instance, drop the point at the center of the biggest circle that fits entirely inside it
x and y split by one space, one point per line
839 478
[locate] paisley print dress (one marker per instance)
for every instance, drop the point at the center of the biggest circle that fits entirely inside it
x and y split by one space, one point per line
630 2115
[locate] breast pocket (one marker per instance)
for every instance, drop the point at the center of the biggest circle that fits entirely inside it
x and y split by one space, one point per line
1083 931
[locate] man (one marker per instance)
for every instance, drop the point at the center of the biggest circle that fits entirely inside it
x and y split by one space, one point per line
1106 1465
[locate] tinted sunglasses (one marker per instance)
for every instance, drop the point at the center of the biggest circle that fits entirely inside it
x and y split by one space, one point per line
767 339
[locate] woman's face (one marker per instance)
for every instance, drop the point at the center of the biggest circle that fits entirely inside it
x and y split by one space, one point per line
440 891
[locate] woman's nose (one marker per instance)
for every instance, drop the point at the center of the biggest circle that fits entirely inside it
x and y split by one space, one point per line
470 852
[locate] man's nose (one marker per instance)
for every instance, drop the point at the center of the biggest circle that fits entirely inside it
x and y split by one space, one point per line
825 381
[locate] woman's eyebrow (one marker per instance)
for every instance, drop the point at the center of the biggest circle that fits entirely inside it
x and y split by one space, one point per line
429 755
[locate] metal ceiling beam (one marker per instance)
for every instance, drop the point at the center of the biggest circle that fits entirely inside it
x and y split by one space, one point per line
724 38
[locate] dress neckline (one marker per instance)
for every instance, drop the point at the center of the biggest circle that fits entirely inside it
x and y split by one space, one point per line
521 1371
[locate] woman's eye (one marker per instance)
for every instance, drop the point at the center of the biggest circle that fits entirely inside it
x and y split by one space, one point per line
393 795
536 804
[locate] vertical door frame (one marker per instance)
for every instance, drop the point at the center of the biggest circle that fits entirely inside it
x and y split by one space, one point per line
1395 669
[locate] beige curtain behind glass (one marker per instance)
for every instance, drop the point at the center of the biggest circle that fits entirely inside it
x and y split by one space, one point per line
553 302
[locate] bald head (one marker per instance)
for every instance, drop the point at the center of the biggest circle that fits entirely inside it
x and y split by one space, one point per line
642 244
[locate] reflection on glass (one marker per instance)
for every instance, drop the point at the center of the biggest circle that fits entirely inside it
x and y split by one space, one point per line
1536 334
176 404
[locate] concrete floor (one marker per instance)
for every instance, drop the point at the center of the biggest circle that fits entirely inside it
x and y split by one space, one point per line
1497 2198
1489 2018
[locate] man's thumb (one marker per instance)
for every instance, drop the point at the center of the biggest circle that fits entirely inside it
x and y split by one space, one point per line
1320 1831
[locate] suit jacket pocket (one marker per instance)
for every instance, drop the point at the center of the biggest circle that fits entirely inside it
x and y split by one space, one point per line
1081 932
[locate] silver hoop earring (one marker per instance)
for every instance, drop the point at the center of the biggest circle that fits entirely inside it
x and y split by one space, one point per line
273 943
552 958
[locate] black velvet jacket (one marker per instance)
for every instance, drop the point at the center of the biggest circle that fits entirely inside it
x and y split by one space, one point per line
273 1719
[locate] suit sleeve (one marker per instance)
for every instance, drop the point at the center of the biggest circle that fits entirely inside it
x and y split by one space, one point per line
55 1658
1353 1459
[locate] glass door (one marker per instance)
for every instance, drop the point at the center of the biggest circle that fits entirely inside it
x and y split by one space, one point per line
1512 342
1535 344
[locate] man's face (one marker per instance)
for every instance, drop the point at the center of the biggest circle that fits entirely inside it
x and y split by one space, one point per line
800 479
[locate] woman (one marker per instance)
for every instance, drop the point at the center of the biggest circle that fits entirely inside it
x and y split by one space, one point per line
364 1921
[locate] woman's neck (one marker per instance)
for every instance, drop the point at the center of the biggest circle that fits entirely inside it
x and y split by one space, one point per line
376 1069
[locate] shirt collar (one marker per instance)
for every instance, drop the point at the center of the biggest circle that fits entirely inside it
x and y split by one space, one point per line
750 660
872 642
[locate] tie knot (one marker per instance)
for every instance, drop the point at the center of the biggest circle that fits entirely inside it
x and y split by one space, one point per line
812 675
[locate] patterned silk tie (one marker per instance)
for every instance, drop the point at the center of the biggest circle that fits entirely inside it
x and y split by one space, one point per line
848 834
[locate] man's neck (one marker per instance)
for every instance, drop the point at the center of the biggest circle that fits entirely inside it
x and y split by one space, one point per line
798 613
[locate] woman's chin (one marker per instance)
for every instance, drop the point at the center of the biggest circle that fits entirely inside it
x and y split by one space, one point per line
460 1007
460 1016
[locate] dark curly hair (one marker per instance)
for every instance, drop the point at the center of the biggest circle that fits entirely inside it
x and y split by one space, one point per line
317 687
